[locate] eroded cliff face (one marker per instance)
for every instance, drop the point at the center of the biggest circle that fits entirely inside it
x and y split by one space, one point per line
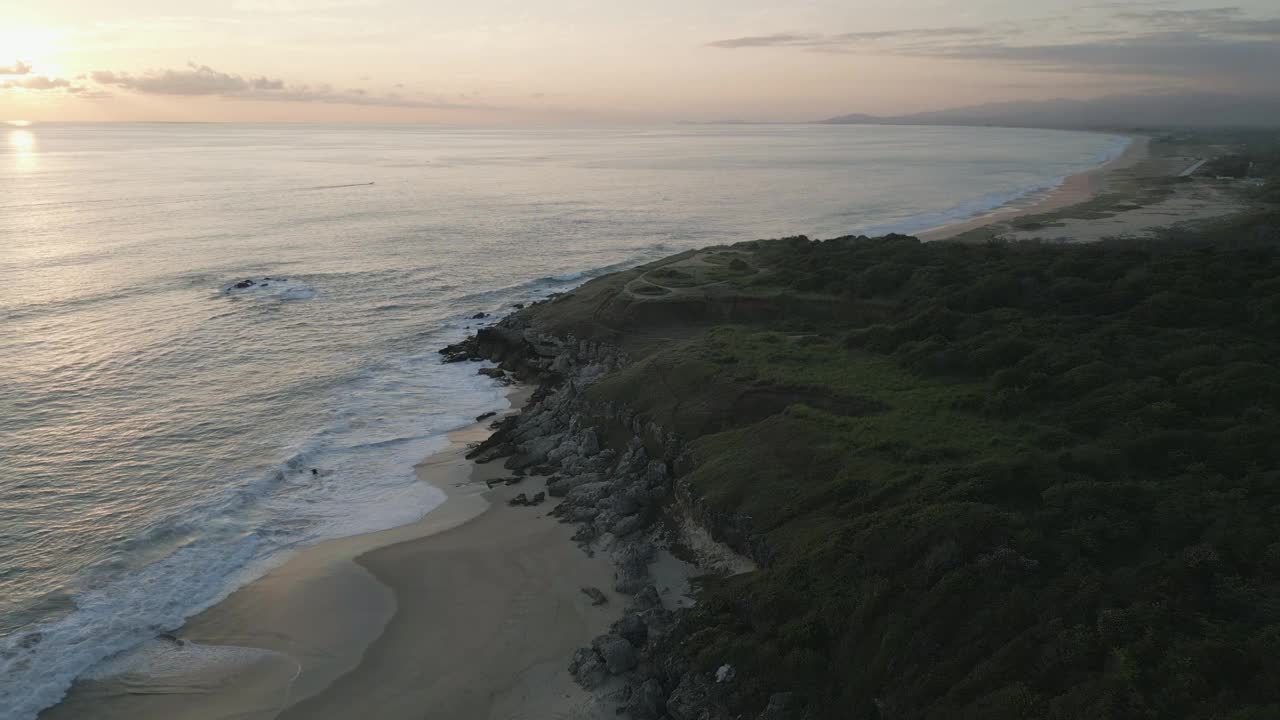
616 473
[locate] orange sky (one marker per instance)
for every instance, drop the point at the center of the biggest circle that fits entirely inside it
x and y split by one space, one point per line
573 61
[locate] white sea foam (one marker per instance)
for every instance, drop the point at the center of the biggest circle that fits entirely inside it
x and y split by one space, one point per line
389 419
163 658
166 437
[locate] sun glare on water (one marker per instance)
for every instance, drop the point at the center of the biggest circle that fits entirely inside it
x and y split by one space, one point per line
22 144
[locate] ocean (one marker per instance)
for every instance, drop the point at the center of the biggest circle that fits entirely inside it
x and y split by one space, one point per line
159 425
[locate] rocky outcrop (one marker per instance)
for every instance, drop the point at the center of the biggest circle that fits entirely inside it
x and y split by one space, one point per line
615 491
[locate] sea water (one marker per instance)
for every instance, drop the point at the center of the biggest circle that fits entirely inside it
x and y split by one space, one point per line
159 426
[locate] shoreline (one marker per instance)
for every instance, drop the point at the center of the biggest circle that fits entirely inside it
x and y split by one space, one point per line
366 582
1073 190
354 625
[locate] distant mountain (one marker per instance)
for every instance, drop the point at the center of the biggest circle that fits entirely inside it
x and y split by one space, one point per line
1201 109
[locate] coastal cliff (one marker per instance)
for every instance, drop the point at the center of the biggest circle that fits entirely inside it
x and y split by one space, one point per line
963 481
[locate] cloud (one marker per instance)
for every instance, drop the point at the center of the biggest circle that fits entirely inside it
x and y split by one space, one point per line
775 40
1219 46
18 68
202 80
841 40
1181 17
1243 65
1229 21
37 82
325 95
195 80
301 6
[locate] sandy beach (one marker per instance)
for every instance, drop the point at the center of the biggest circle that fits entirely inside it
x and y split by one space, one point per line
472 612
1073 190
1135 196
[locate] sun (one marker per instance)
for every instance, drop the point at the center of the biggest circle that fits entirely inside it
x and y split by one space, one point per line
32 46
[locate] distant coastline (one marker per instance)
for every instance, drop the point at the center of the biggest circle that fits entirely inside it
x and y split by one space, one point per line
1072 190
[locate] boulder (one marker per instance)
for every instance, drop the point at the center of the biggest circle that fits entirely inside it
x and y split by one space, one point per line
627 525
485 416
628 502
537 499
647 702
590 444
567 483
647 598
565 450
584 535
520 499
619 656
588 669
596 595
466 350
632 629
690 699
588 493
781 707
534 452
576 513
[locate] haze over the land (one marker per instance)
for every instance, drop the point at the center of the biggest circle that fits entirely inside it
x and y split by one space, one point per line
572 61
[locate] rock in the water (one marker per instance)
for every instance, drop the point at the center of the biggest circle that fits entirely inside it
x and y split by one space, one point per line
485 416
495 373
480 316
466 350
618 654
520 499
537 499
597 597
587 668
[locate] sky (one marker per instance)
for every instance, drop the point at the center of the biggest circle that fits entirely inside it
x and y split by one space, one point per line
605 61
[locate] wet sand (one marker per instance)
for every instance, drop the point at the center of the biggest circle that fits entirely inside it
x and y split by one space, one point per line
472 612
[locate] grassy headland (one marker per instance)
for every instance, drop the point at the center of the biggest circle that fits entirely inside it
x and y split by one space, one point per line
981 480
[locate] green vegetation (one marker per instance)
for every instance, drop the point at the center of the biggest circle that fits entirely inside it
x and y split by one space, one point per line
988 481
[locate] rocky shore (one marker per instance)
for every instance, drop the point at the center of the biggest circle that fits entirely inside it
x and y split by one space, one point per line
615 475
